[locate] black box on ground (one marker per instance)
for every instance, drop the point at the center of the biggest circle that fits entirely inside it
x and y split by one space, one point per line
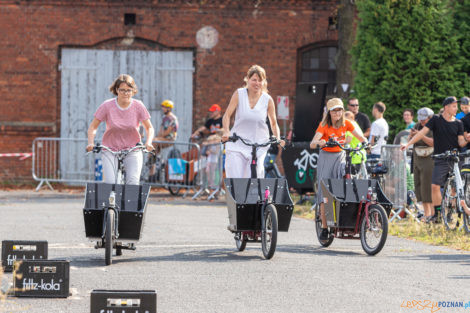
41 278
15 250
123 301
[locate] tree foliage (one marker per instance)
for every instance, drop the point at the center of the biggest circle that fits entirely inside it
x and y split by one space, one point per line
407 54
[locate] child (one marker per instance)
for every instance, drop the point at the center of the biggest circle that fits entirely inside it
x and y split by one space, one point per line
213 154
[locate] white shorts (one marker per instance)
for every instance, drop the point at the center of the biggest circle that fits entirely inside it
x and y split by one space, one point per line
132 164
237 165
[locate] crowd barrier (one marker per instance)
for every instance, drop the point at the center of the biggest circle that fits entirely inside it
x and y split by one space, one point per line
394 182
212 163
177 165
61 160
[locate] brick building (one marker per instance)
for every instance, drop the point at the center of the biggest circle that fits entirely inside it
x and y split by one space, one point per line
291 39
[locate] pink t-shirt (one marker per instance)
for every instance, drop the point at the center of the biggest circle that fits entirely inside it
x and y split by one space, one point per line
122 125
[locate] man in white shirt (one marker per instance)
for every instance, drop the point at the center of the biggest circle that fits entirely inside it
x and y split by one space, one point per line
378 130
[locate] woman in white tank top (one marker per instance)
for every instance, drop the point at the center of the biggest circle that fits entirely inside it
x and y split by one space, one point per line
251 105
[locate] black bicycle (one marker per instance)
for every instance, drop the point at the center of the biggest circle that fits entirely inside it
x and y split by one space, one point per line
455 192
115 211
258 207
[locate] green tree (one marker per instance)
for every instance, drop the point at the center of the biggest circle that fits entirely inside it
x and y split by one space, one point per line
461 9
406 55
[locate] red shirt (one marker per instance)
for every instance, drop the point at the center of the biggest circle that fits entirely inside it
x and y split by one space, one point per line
338 134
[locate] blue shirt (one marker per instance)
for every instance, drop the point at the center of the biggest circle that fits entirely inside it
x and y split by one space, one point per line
412 124
460 115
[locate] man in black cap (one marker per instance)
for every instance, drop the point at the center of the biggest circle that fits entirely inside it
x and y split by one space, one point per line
448 134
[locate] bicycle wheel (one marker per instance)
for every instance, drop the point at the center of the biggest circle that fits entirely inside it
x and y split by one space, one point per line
374 229
269 233
449 206
240 241
109 237
318 227
174 190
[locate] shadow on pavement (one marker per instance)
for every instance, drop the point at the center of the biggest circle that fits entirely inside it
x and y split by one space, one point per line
317 250
462 259
211 255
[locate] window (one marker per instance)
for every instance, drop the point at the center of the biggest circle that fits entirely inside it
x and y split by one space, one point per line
318 66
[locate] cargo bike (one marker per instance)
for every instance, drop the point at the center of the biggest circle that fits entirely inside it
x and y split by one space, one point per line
258 207
354 208
114 213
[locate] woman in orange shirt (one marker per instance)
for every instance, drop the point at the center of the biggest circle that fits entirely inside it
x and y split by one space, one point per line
331 160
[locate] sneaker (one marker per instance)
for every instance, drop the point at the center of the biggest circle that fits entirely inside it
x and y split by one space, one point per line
324 234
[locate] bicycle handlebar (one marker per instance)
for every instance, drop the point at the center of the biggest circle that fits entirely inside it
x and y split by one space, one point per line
454 153
271 141
98 147
333 143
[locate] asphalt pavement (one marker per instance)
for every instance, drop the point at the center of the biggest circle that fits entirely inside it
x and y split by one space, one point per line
189 257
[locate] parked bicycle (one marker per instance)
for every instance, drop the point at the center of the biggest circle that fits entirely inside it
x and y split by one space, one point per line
354 208
456 192
258 207
108 215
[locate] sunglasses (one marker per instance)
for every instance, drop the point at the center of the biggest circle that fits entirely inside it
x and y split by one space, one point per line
353 105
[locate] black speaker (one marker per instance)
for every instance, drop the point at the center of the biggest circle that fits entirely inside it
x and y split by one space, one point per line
309 103
123 301
13 250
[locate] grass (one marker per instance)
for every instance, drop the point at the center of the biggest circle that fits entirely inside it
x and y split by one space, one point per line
434 234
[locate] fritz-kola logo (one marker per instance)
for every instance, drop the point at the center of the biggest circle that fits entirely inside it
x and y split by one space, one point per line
12 258
30 284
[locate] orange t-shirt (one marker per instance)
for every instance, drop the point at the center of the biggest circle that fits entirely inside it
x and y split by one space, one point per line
338 134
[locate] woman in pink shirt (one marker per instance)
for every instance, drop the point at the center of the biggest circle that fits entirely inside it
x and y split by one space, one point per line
123 116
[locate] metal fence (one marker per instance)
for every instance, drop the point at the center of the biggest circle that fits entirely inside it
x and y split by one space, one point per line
177 165
61 160
394 182
212 159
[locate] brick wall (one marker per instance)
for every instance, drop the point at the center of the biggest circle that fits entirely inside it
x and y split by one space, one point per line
268 33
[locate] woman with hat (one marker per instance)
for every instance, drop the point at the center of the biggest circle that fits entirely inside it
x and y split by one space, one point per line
331 159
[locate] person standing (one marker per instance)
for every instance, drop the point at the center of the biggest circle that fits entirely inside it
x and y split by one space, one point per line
448 134
331 160
465 120
379 130
423 164
408 115
251 105
464 106
169 128
123 116
212 125
361 119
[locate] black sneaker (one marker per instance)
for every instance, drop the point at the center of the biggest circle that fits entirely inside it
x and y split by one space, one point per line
324 234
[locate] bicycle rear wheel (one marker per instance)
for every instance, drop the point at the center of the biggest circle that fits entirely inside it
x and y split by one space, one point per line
269 233
451 216
374 229
108 254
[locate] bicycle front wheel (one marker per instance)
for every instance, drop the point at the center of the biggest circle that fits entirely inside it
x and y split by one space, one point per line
108 244
269 233
374 229
318 227
240 241
451 216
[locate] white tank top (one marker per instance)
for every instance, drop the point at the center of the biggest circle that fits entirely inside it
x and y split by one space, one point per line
250 124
